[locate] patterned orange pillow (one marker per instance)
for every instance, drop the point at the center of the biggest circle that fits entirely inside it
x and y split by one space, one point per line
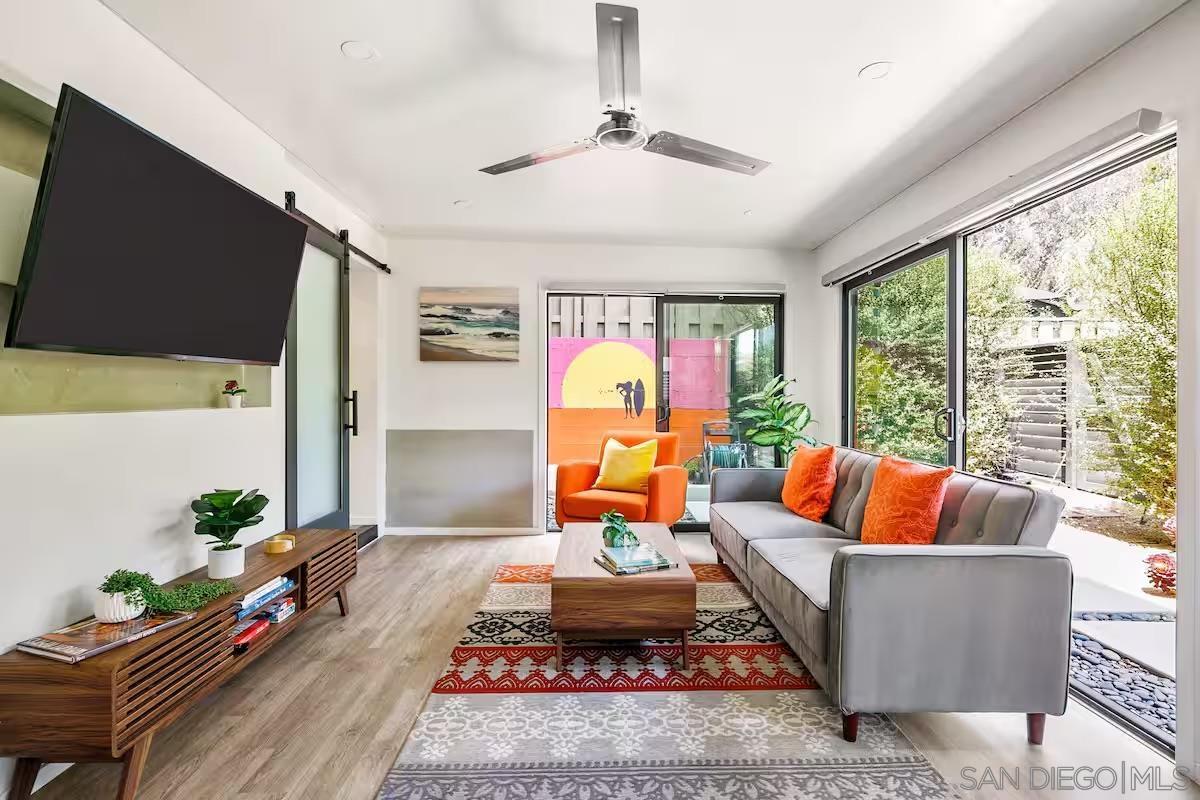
905 502
808 486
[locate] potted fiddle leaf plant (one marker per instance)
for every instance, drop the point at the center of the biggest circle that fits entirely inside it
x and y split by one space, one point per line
221 514
233 394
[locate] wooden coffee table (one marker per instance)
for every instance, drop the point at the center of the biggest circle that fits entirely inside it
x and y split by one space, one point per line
589 602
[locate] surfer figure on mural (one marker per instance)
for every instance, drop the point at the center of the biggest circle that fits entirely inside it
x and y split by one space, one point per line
634 395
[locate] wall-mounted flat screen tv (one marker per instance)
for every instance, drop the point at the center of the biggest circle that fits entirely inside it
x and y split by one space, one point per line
136 248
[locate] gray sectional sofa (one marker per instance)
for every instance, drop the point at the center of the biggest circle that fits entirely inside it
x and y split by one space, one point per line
978 621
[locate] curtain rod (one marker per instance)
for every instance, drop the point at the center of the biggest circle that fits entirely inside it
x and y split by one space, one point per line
289 204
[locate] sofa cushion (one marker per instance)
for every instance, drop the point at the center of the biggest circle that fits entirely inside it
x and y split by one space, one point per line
734 524
808 487
793 575
905 503
590 504
855 470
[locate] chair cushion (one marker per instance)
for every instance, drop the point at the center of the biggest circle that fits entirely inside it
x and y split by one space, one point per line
734 524
591 503
808 487
626 469
905 503
793 575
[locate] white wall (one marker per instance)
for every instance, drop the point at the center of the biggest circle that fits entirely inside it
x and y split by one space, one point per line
1157 70
83 494
511 396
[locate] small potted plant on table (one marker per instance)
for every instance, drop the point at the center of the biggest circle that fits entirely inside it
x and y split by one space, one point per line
221 514
233 394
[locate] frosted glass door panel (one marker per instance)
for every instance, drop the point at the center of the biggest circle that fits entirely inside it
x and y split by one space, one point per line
318 387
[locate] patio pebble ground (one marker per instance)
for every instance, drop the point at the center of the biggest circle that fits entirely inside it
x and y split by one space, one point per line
1110 678
1125 616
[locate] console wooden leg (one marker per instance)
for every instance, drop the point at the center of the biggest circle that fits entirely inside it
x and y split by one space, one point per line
686 661
850 726
131 772
24 777
343 602
1035 724
558 652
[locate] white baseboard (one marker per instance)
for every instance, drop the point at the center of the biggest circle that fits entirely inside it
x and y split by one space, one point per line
421 531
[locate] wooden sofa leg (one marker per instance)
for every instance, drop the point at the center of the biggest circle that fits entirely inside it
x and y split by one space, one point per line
850 726
1035 724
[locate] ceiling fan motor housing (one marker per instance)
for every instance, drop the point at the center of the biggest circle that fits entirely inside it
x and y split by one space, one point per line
622 132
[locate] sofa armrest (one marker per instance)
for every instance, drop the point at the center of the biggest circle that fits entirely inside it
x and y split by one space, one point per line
733 485
666 494
949 628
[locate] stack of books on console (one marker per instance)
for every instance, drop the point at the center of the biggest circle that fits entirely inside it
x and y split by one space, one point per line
260 597
262 607
633 560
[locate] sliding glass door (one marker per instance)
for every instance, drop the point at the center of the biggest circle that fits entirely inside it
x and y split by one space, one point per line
901 378
714 352
674 363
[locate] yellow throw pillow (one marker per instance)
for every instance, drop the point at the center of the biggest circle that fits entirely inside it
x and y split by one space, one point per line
626 469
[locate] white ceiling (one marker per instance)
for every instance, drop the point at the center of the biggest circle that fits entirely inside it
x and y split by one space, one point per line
462 84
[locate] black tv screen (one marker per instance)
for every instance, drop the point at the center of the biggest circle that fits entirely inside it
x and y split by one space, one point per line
136 248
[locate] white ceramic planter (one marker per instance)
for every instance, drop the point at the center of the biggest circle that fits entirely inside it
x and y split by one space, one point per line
234 400
114 608
226 563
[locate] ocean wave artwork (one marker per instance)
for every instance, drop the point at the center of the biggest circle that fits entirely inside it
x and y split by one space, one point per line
475 323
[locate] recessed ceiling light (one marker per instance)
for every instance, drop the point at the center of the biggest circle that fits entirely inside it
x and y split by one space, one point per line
359 51
748 212
461 203
876 70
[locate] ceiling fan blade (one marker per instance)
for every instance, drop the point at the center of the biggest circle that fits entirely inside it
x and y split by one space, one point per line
618 58
543 155
676 146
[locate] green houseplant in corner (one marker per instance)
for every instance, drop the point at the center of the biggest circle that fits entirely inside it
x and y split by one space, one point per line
775 419
221 514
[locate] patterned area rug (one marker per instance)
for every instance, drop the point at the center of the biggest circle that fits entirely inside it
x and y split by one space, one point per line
623 721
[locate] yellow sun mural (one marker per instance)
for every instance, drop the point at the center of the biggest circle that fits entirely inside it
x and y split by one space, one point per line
605 374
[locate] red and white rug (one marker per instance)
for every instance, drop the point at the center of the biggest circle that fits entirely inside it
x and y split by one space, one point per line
625 721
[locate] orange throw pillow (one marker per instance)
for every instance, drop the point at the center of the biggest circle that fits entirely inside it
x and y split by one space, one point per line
905 502
808 486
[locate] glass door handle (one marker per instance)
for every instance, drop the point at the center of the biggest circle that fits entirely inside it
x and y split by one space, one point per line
352 425
944 423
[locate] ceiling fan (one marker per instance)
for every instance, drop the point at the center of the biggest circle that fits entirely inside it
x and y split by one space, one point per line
620 99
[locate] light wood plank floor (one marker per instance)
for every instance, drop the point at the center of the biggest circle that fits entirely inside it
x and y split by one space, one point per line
324 714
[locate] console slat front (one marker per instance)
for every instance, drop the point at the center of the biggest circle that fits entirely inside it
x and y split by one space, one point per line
99 708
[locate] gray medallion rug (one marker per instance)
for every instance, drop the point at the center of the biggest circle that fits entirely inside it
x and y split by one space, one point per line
623 721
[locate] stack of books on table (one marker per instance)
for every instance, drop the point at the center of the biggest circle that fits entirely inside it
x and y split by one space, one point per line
258 598
261 608
633 560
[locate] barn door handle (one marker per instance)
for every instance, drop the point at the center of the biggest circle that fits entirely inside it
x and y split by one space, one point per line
352 425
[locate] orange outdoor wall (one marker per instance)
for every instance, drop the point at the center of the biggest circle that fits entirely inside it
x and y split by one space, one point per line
687 421
575 432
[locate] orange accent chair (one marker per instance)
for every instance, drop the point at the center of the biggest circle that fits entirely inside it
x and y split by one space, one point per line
576 501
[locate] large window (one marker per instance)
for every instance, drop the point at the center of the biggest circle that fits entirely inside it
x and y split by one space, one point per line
1041 348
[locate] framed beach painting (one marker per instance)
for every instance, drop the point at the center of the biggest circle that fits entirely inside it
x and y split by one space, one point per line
477 323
